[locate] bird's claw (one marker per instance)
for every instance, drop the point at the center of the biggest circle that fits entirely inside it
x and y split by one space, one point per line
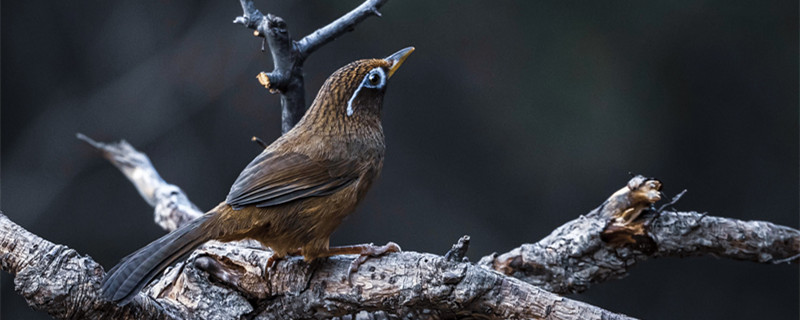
368 252
272 262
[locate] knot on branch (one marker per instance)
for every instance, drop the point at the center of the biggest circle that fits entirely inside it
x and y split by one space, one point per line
273 85
239 269
276 25
627 203
459 250
624 207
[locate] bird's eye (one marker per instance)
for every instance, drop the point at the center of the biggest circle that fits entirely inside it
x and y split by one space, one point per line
374 79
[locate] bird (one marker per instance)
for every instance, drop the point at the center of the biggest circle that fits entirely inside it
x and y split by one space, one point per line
297 191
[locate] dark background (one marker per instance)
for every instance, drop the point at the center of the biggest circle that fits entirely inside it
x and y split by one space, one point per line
510 119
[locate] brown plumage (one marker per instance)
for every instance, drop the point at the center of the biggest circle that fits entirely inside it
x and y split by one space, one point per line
294 194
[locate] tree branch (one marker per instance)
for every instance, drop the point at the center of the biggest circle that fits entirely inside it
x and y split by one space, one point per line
172 206
398 284
224 280
57 280
611 239
288 55
347 22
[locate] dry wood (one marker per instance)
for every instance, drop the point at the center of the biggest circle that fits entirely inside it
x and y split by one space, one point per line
606 243
223 281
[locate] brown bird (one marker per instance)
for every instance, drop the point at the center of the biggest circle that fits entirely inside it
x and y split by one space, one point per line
294 194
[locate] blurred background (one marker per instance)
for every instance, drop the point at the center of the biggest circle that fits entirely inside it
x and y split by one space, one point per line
510 119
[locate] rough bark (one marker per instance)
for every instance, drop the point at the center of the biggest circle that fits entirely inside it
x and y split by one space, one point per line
58 280
288 55
224 281
611 239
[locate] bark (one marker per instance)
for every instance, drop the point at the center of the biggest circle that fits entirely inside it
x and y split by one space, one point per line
605 244
224 281
58 280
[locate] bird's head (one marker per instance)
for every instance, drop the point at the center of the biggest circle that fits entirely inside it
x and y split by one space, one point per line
355 91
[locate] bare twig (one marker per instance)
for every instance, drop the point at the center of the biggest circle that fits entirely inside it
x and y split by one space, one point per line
288 55
672 202
602 245
347 22
458 252
172 206
260 142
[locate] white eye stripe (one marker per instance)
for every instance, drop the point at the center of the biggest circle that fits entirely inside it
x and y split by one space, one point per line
350 102
367 83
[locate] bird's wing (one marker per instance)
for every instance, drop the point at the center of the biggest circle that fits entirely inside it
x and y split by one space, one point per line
272 179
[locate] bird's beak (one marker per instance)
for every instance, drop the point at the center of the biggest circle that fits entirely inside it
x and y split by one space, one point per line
397 59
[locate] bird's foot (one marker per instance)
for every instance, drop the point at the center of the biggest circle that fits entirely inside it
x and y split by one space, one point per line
370 250
274 259
366 251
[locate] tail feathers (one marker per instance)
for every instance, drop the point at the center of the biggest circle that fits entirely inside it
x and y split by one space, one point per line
130 275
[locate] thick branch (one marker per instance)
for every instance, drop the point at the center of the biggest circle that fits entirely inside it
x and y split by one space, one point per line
288 55
57 280
396 283
607 242
223 281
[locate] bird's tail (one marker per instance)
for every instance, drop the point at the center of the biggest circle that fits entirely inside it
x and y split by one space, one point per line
130 275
